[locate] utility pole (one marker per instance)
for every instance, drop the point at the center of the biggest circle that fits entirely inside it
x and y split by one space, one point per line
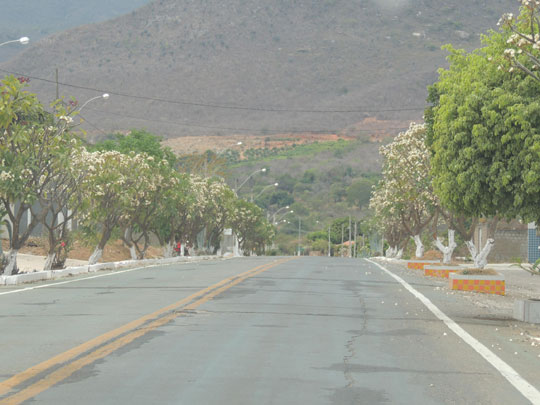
350 230
329 244
355 252
342 234
299 230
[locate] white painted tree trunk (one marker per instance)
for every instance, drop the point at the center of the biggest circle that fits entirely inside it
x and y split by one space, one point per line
390 252
167 250
447 251
480 258
399 254
94 258
49 261
419 246
11 265
133 252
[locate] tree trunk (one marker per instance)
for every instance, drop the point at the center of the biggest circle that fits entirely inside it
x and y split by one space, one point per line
399 254
480 258
11 265
49 261
94 258
133 252
98 251
447 251
168 249
419 246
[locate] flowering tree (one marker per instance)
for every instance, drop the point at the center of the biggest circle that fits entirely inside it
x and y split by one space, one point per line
154 180
219 204
172 212
34 151
110 189
62 200
253 230
407 182
523 44
387 220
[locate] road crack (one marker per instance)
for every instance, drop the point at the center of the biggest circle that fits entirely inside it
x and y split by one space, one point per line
350 344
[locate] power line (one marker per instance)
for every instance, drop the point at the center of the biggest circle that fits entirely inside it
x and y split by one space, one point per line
282 131
223 106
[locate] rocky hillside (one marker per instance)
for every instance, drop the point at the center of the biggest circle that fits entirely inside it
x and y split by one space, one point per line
201 67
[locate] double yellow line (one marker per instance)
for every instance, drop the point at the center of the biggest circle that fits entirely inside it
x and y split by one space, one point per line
60 367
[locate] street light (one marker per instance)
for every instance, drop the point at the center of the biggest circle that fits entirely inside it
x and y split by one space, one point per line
263 190
104 96
249 177
279 219
277 212
22 40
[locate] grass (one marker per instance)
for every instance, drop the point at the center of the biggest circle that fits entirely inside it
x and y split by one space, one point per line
266 155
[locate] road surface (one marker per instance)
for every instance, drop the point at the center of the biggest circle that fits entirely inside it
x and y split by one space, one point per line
248 331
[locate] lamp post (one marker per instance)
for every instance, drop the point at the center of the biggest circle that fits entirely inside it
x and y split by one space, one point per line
299 233
249 177
277 212
279 219
22 40
104 96
263 190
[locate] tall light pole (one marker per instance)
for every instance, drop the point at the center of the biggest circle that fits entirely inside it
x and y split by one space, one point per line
299 233
22 40
275 221
104 96
263 190
329 244
277 212
249 177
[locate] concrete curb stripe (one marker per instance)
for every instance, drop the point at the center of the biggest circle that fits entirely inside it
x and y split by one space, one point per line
522 385
164 262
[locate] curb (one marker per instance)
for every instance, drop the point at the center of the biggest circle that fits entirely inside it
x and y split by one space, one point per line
72 271
477 283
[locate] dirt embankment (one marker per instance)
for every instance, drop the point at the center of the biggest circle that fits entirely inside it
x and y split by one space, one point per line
114 250
370 129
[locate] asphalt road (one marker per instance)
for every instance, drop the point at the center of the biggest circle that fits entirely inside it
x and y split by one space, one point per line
243 331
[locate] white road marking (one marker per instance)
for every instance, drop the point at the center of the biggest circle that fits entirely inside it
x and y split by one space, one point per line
522 385
74 281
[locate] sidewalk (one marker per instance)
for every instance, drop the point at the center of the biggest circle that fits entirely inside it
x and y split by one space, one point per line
520 285
30 263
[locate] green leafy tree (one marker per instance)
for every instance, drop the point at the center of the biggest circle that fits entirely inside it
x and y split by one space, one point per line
359 192
484 138
139 141
111 188
253 230
34 150
173 211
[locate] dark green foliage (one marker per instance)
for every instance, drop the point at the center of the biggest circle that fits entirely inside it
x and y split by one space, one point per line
138 141
359 192
483 131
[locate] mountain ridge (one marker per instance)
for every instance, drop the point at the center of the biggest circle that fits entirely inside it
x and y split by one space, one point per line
297 55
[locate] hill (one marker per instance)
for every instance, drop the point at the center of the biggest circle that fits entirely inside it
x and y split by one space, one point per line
39 18
184 67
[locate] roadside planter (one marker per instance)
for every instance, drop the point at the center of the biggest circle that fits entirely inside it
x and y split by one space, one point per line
419 264
527 310
490 284
441 271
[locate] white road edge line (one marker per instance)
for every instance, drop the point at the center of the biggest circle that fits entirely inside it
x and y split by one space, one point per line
79 279
522 385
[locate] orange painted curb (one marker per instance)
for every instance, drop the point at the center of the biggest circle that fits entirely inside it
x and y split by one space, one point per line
419 264
482 285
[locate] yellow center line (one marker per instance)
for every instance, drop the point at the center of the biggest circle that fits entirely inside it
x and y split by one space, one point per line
207 293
